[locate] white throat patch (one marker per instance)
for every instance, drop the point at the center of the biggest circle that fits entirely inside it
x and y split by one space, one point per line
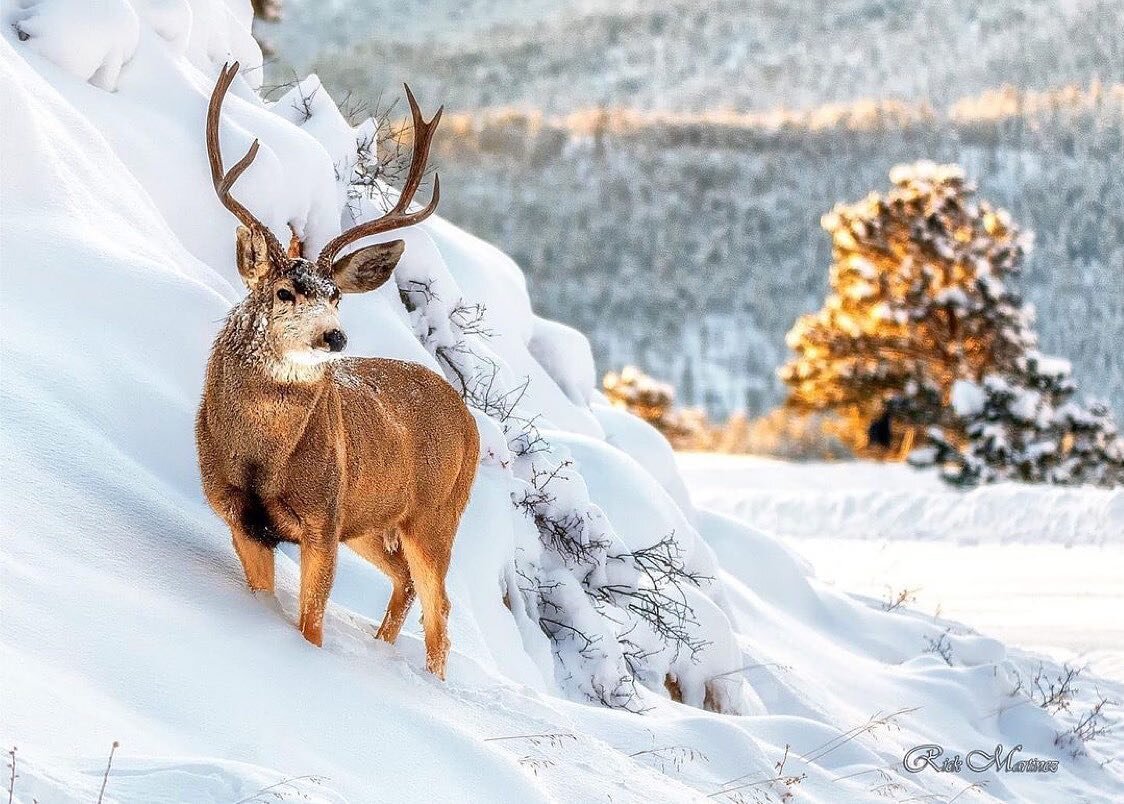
304 365
312 357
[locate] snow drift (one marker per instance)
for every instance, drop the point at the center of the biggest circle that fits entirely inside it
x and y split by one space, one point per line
124 611
895 502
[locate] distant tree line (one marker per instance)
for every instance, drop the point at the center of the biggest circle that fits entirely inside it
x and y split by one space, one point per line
689 248
608 147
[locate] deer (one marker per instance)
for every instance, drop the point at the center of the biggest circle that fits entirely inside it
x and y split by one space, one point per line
297 443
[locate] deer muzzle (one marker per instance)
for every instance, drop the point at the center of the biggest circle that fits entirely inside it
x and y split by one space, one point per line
335 340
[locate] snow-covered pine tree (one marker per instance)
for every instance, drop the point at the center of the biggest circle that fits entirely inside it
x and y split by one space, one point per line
922 324
1026 426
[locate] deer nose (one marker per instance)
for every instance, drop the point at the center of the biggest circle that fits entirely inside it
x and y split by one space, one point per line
335 339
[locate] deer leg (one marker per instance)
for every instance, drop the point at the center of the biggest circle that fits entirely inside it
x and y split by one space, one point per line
396 610
255 555
374 549
318 569
257 560
429 563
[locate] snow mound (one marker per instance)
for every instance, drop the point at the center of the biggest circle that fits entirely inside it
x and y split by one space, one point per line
126 615
90 38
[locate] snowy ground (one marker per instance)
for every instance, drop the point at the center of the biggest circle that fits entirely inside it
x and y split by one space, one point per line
1040 568
895 503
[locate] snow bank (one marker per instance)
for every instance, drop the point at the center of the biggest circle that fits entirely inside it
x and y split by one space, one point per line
93 40
875 501
125 611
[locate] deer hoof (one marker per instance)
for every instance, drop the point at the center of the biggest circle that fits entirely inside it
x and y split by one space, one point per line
436 665
313 634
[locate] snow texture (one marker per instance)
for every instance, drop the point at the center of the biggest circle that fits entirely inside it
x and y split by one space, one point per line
967 398
125 611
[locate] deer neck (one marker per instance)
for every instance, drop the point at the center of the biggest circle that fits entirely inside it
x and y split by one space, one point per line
267 403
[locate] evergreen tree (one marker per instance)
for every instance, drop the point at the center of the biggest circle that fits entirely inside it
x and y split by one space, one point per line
917 299
922 326
1027 427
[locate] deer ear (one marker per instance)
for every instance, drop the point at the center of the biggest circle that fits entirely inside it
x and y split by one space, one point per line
367 268
252 255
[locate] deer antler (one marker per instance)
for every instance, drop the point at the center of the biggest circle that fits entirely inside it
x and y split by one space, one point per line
397 217
223 180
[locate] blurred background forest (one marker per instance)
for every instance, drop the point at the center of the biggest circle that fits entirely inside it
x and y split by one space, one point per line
659 169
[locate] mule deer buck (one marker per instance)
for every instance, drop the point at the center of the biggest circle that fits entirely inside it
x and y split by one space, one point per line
297 444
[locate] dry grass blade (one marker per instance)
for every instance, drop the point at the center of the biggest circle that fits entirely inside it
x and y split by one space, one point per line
12 777
275 790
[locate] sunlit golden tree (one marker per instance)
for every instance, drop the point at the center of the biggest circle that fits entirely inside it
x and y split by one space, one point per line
918 298
922 327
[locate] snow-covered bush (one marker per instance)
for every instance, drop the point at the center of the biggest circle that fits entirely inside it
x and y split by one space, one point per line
1026 427
616 617
654 402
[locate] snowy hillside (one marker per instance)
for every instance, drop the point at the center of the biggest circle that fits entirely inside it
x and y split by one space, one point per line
124 611
695 55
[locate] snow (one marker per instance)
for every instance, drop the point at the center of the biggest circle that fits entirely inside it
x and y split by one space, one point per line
997 588
90 38
126 615
1053 366
1026 405
1017 578
871 502
565 355
967 398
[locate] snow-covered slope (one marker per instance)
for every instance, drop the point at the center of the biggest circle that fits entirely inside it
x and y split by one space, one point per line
124 612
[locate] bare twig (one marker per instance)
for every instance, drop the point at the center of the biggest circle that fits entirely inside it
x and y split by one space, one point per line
903 597
12 778
676 755
1093 724
108 765
875 722
1054 693
941 646
972 786
756 666
553 738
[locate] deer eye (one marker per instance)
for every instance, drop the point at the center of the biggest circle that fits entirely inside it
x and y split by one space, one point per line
286 295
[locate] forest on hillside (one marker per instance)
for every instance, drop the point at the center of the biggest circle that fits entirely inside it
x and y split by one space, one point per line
691 247
660 170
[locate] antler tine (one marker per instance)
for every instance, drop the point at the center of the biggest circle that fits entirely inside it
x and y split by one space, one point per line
224 180
397 218
423 137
